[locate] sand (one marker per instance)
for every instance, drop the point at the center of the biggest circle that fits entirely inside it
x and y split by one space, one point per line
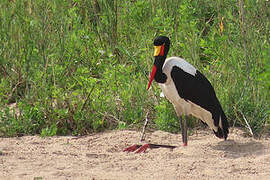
101 156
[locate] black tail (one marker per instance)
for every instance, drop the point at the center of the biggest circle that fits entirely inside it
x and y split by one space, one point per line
224 130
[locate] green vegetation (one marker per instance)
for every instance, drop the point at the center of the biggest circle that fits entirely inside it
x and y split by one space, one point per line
80 66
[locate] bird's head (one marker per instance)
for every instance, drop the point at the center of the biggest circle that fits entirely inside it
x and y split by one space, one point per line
161 49
161 45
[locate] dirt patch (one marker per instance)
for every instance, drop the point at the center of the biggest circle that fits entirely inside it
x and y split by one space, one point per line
100 156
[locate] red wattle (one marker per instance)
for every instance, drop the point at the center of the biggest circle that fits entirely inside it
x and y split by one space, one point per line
162 50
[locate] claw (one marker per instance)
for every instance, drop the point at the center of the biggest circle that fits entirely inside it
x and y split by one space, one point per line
132 148
143 148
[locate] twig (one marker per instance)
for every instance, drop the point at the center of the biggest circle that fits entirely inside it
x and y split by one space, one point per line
15 88
244 29
109 115
248 126
3 70
87 98
144 127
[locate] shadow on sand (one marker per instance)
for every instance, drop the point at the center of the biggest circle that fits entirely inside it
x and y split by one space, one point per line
235 149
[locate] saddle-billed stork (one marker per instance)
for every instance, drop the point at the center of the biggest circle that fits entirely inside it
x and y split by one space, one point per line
188 90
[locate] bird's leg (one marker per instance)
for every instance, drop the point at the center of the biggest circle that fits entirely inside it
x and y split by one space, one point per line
183 126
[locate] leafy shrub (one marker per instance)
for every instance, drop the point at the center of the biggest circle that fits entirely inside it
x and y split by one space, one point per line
76 67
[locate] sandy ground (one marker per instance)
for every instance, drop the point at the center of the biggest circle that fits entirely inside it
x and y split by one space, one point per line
100 156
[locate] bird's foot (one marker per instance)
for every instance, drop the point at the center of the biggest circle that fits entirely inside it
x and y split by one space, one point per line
184 144
137 148
143 148
132 148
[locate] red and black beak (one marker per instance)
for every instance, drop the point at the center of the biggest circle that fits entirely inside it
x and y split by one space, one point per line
159 51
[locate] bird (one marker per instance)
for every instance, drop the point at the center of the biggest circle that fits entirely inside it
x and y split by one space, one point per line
188 90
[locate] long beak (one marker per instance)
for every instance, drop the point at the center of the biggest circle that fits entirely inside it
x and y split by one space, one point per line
152 76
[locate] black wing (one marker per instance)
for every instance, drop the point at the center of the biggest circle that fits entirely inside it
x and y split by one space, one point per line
199 90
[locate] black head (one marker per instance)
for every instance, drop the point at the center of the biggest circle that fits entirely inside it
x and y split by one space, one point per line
162 46
163 41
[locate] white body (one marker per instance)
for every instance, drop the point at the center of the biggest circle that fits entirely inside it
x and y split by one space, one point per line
182 106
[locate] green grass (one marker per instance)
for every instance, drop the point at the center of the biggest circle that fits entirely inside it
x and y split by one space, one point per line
76 67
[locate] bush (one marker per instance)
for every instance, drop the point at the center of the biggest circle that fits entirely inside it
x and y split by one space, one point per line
76 67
